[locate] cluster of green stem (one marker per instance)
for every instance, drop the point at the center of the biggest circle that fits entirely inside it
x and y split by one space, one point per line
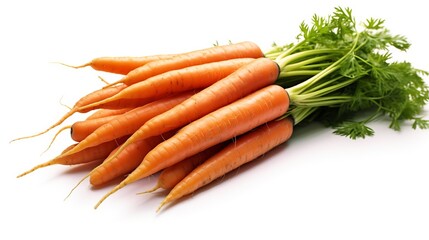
336 71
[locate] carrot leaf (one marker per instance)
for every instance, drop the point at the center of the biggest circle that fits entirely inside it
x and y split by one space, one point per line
354 130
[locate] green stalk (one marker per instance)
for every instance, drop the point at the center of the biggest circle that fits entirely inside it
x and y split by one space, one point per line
314 66
300 88
324 90
282 62
298 73
289 51
309 63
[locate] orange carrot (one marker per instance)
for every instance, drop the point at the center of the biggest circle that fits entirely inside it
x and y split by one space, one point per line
245 80
81 129
180 80
247 148
88 155
207 55
172 175
225 123
129 122
104 112
120 65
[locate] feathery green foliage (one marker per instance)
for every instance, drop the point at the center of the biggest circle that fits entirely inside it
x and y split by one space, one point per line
356 74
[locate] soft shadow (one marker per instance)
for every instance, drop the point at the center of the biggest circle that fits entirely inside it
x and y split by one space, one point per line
307 130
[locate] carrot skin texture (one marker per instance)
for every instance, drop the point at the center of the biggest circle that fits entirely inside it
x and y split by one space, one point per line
247 148
225 123
213 54
245 80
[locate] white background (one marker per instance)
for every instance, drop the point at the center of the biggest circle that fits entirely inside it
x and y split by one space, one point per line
317 186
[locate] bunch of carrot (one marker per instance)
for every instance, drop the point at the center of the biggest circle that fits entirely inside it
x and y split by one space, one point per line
195 116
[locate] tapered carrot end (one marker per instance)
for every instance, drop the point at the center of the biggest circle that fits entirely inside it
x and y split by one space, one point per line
114 83
73 150
165 201
77 185
30 136
64 105
49 163
97 104
27 172
156 187
62 119
73 66
121 185
55 136
103 80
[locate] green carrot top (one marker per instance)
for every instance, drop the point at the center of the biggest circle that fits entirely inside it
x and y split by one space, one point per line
335 71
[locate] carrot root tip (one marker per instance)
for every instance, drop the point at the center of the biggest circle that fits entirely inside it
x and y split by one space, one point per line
67 115
121 185
156 187
55 136
165 201
72 190
34 169
103 80
73 66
